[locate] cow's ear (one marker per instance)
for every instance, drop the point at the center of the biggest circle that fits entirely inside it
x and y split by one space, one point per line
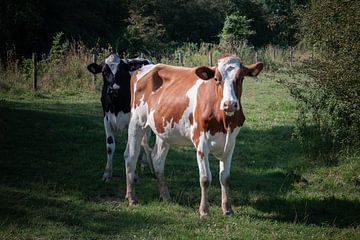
94 68
204 73
254 69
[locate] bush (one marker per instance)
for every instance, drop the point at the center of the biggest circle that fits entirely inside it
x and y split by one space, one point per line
332 97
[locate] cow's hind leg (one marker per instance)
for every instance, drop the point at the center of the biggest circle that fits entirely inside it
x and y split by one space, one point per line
110 149
158 155
131 154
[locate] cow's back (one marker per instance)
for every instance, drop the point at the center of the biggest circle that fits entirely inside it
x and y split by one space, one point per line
161 99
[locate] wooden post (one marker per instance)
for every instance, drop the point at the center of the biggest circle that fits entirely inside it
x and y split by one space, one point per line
94 56
34 73
255 56
291 56
141 55
180 59
273 54
210 59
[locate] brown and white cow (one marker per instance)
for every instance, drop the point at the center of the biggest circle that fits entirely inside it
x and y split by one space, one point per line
188 106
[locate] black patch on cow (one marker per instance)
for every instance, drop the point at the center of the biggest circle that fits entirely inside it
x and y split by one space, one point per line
110 140
109 151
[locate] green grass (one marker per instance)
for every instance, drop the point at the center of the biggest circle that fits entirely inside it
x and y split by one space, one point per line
52 155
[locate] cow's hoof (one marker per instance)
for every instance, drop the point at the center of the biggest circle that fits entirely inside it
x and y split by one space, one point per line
203 212
204 215
165 196
228 211
107 176
133 202
132 199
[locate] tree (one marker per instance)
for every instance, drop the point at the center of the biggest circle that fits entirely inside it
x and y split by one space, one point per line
236 29
144 33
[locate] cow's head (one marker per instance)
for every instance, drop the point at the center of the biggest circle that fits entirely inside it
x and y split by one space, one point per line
229 75
116 72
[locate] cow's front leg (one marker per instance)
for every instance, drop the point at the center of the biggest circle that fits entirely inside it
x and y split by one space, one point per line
131 155
224 175
158 156
202 154
110 149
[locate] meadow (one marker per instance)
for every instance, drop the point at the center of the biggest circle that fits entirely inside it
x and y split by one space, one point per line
52 155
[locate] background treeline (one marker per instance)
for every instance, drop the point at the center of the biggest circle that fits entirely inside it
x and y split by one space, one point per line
140 25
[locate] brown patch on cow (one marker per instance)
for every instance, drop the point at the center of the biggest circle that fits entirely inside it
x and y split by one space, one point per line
170 111
205 182
196 136
156 82
170 101
201 154
191 118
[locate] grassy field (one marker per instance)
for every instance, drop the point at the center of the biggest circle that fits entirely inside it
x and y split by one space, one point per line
52 155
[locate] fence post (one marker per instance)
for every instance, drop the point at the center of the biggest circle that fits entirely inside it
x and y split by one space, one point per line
291 56
210 59
273 54
180 59
255 56
34 73
94 56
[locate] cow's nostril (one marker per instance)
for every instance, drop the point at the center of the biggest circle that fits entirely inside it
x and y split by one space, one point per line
230 105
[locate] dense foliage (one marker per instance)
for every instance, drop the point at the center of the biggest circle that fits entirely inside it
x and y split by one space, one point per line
332 97
28 26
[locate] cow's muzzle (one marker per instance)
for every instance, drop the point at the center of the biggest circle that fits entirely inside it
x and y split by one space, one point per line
230 106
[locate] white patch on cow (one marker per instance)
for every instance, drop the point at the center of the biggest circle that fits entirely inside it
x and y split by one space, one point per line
192 95
140 113
113 61
144 70
118 122
228 68
220 143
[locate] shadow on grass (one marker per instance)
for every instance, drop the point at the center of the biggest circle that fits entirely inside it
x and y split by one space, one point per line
62 147
341 213
29 209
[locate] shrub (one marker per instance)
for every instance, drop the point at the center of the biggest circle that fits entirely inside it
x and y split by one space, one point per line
331 98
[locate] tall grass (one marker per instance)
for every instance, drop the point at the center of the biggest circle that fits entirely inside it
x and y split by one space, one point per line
275 57
63 69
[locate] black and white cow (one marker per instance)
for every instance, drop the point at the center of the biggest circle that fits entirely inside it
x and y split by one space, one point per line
115 99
